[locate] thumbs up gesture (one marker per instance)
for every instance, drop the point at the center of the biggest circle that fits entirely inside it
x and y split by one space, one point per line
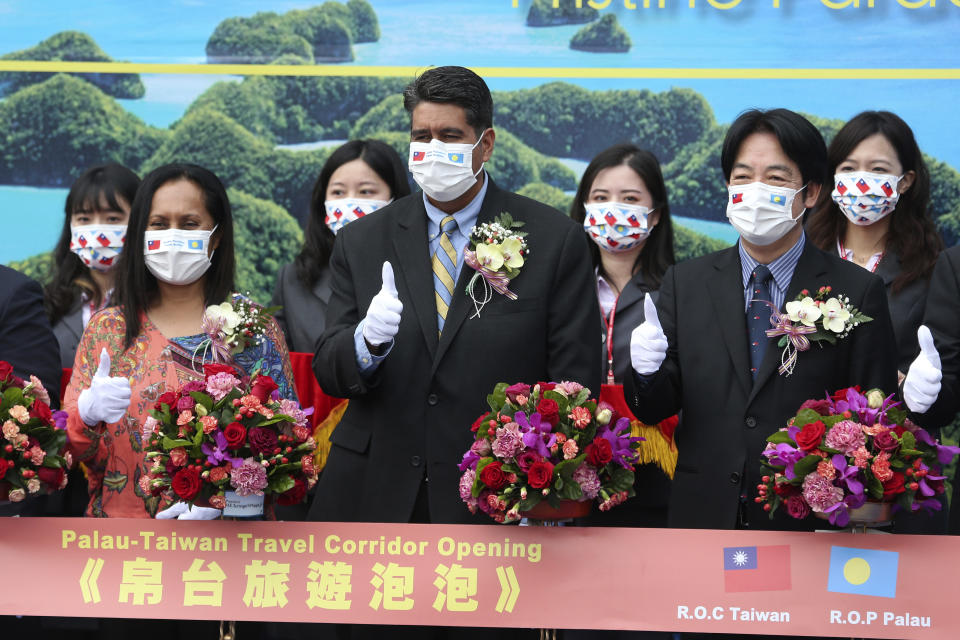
648 343
922 385
107 398
383 315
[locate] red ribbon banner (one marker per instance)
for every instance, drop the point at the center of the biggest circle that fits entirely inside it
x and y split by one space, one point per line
745 582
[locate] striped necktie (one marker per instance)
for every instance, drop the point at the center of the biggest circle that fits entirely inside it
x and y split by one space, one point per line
444 270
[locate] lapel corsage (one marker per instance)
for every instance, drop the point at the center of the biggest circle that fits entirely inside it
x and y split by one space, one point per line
233 326
496 251
821 317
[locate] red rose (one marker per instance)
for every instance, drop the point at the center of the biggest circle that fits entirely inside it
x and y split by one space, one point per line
186 403
5 465
493 476
899 430
546 386
885 441
214 369
820 406
169 398
526 459
549 411
41 410
5 370
479 421
295 494
842 393
518 389
186 484
263 386
52 477
262 440
540 474
893 486
785 490
599 452
810 435
235 434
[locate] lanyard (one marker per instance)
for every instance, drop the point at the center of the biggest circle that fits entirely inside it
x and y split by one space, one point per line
609 322
843 254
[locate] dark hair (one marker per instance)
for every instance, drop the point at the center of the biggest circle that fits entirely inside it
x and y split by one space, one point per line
454 85
108 182
912 234
136 286
657 253
798 138
318 239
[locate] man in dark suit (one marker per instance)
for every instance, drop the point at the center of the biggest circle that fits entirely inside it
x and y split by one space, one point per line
409 347
706 364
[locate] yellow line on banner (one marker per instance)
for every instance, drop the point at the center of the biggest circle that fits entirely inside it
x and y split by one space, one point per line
56 66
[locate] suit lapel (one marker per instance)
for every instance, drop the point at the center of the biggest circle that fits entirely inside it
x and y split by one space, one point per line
74 321
726 293
461 306
811 266
321 288
410 243
632 293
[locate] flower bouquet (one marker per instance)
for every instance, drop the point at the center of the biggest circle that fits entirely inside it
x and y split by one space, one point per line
32 458
546 443
224 437
848 449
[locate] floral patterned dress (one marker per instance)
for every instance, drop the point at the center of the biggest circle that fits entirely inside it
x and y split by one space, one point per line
153 364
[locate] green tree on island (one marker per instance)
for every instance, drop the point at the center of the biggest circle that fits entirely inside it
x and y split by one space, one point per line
542 13
605 36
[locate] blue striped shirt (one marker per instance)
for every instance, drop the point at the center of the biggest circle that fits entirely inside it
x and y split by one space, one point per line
782 270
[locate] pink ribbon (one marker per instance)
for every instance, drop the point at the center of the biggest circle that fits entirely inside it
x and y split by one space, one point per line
498 281
213 328
798 341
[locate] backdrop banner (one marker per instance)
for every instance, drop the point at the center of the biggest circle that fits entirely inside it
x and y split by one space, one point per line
744 582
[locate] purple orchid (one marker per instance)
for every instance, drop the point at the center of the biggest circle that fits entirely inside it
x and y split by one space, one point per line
620 442
786 456
924 488
60 419
470 459
840 512
219 453
945 453
535 433
847 474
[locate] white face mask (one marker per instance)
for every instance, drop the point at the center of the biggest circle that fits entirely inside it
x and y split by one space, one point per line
98 245
344 210
444 171
615 226
762 214
176 256
865 197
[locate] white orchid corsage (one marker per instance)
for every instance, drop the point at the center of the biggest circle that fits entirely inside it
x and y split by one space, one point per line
496 251
231 327
812 318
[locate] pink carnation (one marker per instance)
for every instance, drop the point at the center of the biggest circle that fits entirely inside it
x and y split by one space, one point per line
144 483
306 463
19 413
589 481
846 437
218 501
569 388
570 449
861 457
826 470
11 430
149 427
481 447
33 485
820 493
178 456
881 467
581 417
220 384
466 485
209 424
36 390
184 418
509 441
301 433
37 455
17 495
292 408
250 478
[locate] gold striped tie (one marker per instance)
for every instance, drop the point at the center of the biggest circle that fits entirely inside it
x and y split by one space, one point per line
444 270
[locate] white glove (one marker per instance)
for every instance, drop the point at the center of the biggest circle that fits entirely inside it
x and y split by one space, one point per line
648 343
922 385
107 398
183 511
383 316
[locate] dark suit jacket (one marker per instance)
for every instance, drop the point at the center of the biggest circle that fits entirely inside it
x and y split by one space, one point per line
302 310
942 316
413 416
726 417
906 308
68 331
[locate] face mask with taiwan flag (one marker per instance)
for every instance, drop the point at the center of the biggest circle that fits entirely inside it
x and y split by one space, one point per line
615 226
344 210
865 197
98 245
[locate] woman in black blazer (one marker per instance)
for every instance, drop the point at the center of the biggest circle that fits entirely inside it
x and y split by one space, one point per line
94 229
878 216
358 178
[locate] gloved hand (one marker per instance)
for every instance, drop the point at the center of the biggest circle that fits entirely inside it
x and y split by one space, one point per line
922 385
107 398
383 316
648 343
183 511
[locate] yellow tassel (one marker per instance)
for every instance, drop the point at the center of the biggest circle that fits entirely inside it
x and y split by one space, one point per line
323 432
656 448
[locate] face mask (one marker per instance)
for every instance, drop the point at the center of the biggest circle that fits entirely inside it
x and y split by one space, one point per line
177 256
865 197
344 210
444 171
615 226
98 245
762 214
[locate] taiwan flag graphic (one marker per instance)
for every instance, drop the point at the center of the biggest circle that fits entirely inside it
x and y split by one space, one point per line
841 188
418 156
357 211
737 197
153 245
862 185
756 568
103 239
863 572
887 189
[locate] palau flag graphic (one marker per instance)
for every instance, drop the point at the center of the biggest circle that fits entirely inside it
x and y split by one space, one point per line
195 244
775 199
863 572
455 157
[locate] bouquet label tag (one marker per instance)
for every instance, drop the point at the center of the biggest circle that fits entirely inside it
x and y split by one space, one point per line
242 506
